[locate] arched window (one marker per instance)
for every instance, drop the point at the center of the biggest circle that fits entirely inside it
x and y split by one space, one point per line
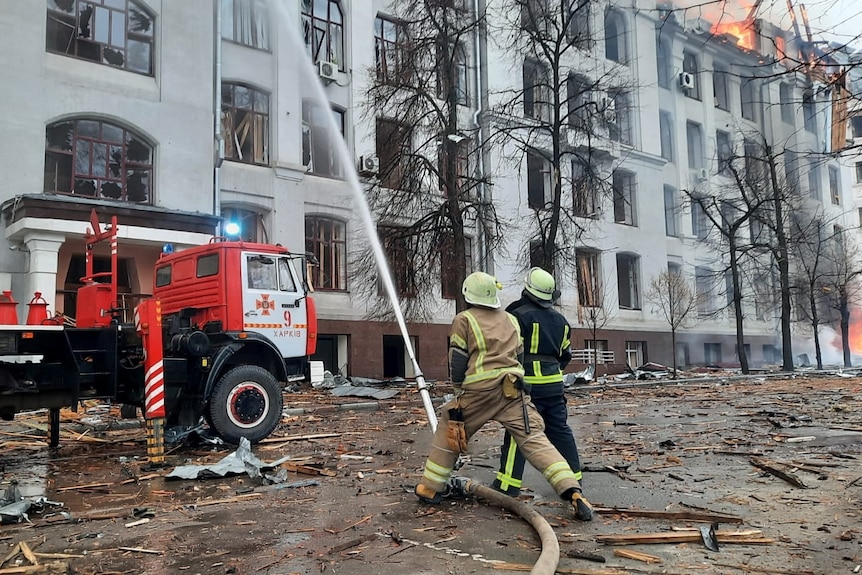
245 123
323 30
616 47
112 32
97 159
326 238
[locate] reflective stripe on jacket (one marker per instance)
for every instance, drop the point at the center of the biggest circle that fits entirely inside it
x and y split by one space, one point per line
547 346
492 340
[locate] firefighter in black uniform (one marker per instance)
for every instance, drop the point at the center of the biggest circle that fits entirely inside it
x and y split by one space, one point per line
547 350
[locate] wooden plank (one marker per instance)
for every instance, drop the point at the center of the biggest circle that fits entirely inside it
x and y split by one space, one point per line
750 537
637 556
681 515
772 468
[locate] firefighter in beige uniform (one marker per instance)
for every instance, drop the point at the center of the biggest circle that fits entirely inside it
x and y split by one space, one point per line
484 364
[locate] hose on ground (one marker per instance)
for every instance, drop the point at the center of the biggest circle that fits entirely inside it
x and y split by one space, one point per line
550 555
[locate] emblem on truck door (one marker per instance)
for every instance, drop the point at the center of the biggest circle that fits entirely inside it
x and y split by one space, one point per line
264 304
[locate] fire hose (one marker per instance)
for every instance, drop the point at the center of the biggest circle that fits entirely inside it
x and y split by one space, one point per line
549 558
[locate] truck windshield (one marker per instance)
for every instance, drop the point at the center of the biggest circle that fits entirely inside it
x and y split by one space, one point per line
285 276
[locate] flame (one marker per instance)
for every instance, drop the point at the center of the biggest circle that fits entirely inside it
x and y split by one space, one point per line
855 333
742 30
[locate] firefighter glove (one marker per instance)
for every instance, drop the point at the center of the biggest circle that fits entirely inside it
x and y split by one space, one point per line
456 434
511 386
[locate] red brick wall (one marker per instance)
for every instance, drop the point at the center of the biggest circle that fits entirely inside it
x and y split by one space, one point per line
365 346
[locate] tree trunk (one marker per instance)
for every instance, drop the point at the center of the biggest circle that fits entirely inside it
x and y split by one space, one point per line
783 263
673 350
845 329
737 306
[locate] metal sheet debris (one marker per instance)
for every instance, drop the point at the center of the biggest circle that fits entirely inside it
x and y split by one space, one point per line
240 461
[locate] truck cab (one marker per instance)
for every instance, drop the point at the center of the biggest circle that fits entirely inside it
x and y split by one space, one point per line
237 323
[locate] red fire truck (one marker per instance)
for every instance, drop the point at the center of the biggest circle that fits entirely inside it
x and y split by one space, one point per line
227 325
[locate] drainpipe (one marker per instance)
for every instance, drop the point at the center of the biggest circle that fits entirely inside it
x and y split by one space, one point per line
217 133
485 261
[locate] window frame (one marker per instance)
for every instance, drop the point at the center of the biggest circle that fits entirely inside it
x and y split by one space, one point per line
721 94
390 42
616 37
628 276
82 37
691 65
254 13
588 277
393 146
665 128
81 134
326 238
234 115
538 175
328 25
624 186
671 211
315 129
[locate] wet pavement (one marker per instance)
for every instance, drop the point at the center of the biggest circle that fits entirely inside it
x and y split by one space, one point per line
671 448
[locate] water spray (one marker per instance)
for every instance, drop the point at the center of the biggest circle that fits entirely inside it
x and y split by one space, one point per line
358 193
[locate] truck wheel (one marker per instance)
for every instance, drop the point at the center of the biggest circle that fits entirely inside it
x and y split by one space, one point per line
246 402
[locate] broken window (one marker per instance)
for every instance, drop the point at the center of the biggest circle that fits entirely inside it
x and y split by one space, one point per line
390 51
245 124
748 98
398 245
451 68
534 15
615 37
704 287
323 31
462 166
719 87
665 124
699 219
587 276
636 353
628 281
809 112
538 181
393 145
620 125
584 193
117 33
319 149
536 90
671 209
834 186
694 141
724 151
450 287
814 180
664 60
785 97
712 353
624 198
246 22
579 100
578 29
690 66
326 238
98 160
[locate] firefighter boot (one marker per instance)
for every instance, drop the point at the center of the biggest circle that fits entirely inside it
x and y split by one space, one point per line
428 495
583 509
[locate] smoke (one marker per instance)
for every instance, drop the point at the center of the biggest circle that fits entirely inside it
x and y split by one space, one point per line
830 349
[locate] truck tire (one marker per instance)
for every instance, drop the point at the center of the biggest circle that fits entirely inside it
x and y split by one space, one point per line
246 402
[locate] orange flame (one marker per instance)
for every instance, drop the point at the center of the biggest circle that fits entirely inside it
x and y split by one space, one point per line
743 30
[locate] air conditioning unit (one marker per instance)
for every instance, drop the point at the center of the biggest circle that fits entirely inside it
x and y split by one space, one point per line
327 70
369 165
702 174
686 80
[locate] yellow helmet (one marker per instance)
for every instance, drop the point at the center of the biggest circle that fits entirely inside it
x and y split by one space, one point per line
541 285
480 288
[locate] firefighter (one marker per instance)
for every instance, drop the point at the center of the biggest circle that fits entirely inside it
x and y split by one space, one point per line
547 350
484 366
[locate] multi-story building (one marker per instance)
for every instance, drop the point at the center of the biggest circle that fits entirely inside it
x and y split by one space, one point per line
179 116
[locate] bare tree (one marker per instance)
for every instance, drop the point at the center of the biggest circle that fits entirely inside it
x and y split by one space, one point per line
428 194
675 300
559 121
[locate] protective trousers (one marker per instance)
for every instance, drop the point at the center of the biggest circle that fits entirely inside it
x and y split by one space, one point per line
479 407
554 413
